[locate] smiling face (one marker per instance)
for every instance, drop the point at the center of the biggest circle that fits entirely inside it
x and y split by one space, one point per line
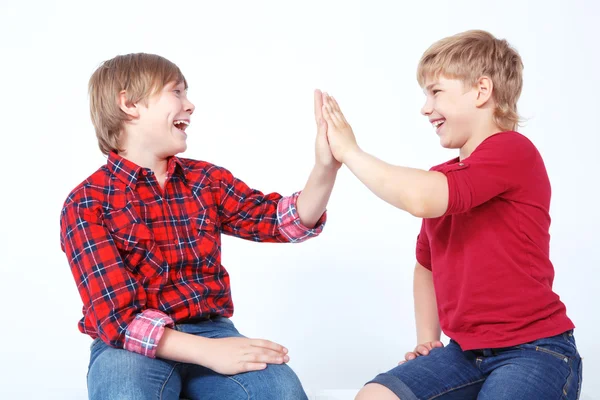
161 124
451 108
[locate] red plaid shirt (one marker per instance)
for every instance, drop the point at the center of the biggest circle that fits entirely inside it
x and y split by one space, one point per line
144 258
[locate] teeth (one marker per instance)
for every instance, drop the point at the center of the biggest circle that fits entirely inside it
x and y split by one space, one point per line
438 123
182 122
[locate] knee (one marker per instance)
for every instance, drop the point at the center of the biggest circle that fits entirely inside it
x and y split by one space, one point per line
375 391
279 382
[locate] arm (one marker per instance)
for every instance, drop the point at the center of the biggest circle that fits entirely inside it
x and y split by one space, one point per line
249 214
426 314
315 196
422 193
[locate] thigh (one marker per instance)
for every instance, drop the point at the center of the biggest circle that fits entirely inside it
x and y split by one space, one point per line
276 382
447 373
214 328
544 369
121 374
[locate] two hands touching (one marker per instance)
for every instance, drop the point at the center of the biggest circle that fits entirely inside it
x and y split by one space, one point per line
335 138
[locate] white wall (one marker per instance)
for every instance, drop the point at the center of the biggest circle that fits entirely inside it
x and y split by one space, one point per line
342 303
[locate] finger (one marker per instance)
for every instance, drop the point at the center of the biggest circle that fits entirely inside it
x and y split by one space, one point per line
336 114
338 110
251 366
401 362
267 344
318 103
253 351
410 356
334 104
266 358
437 343
328 117
421 349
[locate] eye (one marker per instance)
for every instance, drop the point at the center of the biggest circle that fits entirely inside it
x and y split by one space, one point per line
177 92
435 91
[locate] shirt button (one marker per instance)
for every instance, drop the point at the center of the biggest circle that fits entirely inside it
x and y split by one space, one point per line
208 221
461 164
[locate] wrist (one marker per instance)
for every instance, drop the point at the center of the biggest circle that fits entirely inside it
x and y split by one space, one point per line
326 172
426 337
351 154
202 351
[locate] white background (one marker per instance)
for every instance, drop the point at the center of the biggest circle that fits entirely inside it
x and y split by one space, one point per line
341 303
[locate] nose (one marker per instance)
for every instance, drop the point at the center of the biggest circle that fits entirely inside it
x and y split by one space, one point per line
427 108
189 107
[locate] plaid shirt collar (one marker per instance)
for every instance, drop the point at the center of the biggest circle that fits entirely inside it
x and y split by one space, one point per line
128 171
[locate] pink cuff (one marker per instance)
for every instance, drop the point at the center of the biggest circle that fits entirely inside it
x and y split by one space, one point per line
289 221
144 333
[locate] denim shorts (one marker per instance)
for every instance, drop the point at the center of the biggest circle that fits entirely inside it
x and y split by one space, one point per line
548 368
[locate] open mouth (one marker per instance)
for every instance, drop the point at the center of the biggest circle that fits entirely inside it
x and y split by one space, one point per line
436 124
181 124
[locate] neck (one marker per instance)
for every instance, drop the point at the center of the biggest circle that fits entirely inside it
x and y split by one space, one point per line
484 131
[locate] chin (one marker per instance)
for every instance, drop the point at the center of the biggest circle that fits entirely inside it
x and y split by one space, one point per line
180 147
446 144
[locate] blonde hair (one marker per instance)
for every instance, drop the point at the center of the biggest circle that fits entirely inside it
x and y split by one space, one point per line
470 55
140 75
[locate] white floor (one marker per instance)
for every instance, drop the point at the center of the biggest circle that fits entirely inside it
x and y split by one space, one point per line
346 394
338 394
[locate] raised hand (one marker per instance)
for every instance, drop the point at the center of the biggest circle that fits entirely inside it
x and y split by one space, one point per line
323 154
339 132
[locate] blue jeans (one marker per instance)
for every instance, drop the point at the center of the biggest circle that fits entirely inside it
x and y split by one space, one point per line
121 374
548 368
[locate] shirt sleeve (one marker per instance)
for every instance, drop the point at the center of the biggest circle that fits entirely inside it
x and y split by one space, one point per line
499 164
423 251
113 300
249 214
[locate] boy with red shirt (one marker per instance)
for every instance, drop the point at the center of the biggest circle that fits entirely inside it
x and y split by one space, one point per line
483 274
143 239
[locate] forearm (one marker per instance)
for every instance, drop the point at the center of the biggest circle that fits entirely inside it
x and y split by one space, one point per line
312 201
426 314
422 193
183 347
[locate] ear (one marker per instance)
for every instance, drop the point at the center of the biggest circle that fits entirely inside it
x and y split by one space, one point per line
484 88
126 106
